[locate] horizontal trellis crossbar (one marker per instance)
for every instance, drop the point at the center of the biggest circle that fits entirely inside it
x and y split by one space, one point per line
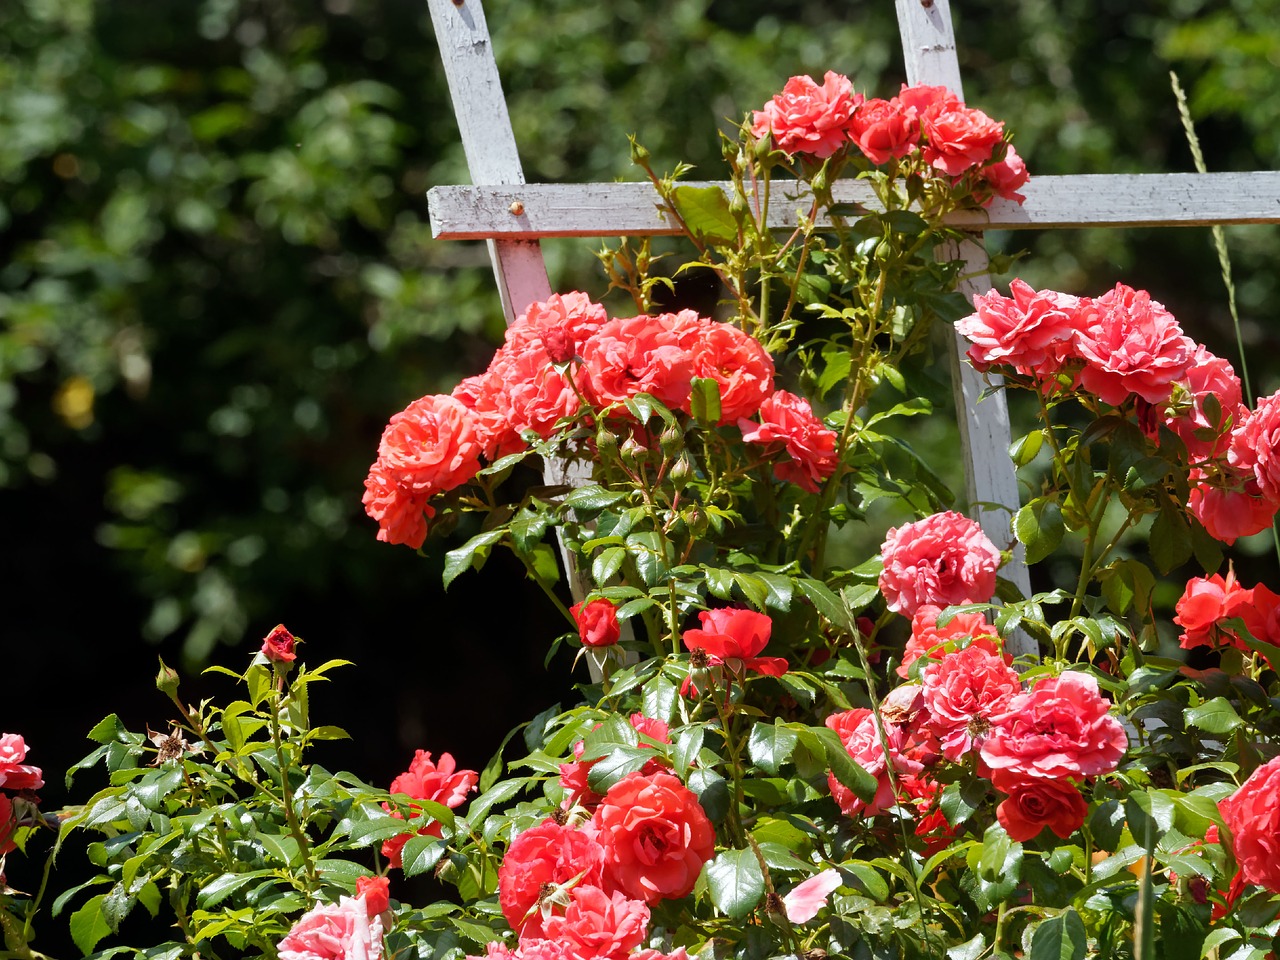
538 210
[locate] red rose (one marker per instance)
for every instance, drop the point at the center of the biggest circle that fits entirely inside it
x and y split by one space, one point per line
1061 728
884 129
732 637
602 926
807 118
919 98
375 892
1036 803
942 559
655 835
958 138
1027 330
788 419
441 782
962 693
546 854
597 622
7 824
278 645
1252 814
1207 376
1131 345
1205 603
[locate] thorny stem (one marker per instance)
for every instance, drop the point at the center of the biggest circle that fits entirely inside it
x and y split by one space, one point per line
286 794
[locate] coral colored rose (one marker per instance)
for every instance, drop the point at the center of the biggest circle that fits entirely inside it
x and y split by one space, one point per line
1036 803
1252 814
808 118
485 395
1131 345
14 774
1205 603
962 630
573 776
958 138
1207 377
1255 446
432 445
533 394
341 931
375 892
1228 514
562 324
1262 617
1026 330
1006 176
656 837
884 130
920 98
679 953
278 645
732 637
738 363
604 926
439 781
632 355
806 898
962 692
1060 728
546 855
401 512
597 622
788 420
942 559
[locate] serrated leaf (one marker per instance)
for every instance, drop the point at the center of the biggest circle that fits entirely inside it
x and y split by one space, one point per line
704 400
89 925
770 746
471 555
1215 716
1039 527
1060 938
1170 540
607 563
106 730
705 211
735 882
421 854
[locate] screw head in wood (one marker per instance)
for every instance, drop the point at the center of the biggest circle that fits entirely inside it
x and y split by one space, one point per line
516 208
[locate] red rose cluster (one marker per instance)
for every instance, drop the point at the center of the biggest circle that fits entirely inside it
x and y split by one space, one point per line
1209 604
1125 349
426 779
561 353
18 781
583 892
818 121
1252 814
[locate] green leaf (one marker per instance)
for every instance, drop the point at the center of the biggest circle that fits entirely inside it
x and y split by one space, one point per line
736 882
107 730
705 211
1039 527
215 891
961 799
615 765
704 401
607 563
688 743
1023 450
770 746
1215 716
471 555
753 588
89 924
1170 538
826 603
592 497
1060 938
421 854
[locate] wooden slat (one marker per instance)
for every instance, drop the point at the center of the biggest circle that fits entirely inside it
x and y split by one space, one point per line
633 209
929 48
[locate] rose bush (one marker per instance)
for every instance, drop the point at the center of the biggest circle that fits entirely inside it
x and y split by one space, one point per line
821 718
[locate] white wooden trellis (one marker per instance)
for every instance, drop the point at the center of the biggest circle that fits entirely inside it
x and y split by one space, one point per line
512 216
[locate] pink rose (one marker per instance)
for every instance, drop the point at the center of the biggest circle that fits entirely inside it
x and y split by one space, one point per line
1228 513
788 420
485 395
884 130
963 692
963 630
807 118
919 98
656 837
1207 376
943 559
1035 803
278 645
1007 176
600 925
1026 331
806 898
858 731
1252 814
440 782
341 931
1130 345
562 324
597 622
958 138
548 855
432 445
1255 446
1061 728
14 774
533 395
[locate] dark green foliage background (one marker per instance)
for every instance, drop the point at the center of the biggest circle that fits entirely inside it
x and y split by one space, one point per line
217 282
